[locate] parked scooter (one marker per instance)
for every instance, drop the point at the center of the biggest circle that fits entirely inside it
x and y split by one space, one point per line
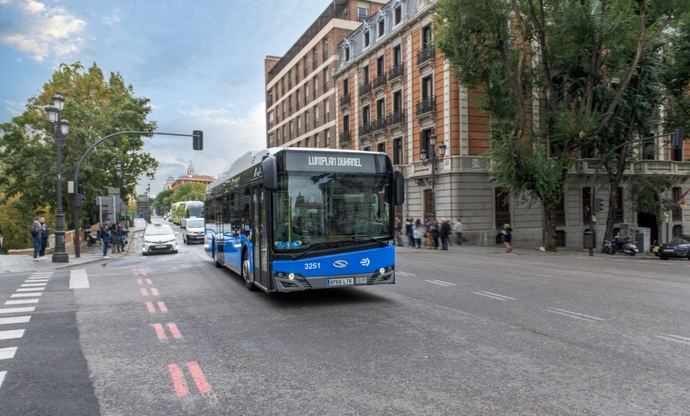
620 244
91 238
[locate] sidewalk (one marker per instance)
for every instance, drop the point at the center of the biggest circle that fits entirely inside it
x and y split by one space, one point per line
23 263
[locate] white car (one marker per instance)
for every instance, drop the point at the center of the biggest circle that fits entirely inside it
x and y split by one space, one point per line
159 238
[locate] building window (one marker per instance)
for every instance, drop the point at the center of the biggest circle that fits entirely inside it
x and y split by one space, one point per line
366 115
347 54
677 210
297 100
427 37
501 207
306 93
428 203
346 87
397 102
397 151
366 38
397 14
381 147
324 49
380 108
382 27
306 121
292 132
328 137
427 88
327 110
586 208
397 56
379 66
314 59
346 123
424 141
362 13
316 86
365 74
316 115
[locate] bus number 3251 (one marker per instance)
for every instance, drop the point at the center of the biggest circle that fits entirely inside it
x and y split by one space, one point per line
312 266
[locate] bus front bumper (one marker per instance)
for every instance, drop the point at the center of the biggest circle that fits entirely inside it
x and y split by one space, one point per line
293 282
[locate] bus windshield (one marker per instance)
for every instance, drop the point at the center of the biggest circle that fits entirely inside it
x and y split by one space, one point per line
195 209
313 208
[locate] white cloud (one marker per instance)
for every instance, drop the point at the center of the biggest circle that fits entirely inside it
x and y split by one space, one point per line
42 31
226 137
15 108
112 19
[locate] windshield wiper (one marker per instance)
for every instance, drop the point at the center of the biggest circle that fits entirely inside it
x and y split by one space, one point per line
315 245
382 241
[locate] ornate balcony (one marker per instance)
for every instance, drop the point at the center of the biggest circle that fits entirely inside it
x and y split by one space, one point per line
426 54
378 124
344 100
345 137
395 72
365 129
426 106
379 81
364 88
396 118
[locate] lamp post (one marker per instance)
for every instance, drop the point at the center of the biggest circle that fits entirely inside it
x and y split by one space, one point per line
61 128
429 156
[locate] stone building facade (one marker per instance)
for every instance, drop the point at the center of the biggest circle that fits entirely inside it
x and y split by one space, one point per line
397 94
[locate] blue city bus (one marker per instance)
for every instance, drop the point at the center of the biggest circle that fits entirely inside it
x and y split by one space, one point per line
294 219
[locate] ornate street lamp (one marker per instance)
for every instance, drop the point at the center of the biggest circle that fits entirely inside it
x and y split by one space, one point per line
432 159
60 128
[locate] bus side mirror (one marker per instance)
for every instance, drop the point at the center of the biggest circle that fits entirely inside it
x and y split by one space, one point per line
269 171
399 188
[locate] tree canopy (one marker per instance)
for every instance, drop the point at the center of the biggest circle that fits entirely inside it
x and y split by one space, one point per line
95 107
581 65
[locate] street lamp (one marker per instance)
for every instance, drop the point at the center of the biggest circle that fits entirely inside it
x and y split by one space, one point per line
432 159
60 128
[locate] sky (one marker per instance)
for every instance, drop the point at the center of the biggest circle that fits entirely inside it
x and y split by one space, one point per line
199 62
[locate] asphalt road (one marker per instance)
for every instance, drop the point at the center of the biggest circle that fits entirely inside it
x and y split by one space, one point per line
471 331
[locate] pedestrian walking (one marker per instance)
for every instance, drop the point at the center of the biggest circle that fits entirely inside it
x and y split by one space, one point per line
106 235
418 232
44 238
444 233
409 232
120 237
398 232
507 236
35 231
457 229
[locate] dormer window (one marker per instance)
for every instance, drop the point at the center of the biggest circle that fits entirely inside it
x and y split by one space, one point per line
397 14
382 27
367 38
347 53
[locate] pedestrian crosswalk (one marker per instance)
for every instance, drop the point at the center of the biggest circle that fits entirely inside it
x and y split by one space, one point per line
15 312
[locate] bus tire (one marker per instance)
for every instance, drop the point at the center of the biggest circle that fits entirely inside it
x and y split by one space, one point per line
248 277
214 250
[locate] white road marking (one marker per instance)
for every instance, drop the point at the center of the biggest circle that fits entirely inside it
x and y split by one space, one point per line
29 289
2 377
33 284
26 295
11 334
17 310
21 301
675 338
7 353
574 315
44 274
15 320
78 279
440 283
406 274
36 280
492 295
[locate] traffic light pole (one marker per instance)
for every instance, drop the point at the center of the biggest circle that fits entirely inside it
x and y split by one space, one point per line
677 137
198 144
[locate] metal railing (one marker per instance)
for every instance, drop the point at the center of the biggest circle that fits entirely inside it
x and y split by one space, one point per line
396 118
378 124
364 129
379 81
426 106
395 72
425 54
345 136
344 100
364 88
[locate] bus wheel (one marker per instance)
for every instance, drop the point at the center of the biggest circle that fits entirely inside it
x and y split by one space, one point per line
248 278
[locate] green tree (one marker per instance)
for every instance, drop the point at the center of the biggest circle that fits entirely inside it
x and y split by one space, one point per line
95 107
190 191
162 202
572 60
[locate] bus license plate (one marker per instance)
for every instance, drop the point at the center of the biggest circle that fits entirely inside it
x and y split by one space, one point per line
344 281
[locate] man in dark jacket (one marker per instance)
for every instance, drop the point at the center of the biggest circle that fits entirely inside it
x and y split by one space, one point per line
106 235
36 237
445 233
44 238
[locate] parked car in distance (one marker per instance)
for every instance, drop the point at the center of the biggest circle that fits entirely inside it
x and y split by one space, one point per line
678 247
159 238
193 230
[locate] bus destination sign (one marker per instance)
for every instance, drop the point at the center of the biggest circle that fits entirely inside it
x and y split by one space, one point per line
330 162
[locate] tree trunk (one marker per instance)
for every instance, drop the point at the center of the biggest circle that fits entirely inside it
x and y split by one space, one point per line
610 218
549 226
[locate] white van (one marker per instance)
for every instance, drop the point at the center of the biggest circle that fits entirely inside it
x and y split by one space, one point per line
193 230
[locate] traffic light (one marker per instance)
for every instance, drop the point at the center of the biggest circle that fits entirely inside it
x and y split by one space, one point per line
599 204
198 140
677 138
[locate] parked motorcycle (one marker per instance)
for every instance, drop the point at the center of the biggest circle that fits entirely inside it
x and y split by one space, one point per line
620 244
91 238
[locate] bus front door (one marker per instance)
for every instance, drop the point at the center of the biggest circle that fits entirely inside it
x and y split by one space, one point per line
259 240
